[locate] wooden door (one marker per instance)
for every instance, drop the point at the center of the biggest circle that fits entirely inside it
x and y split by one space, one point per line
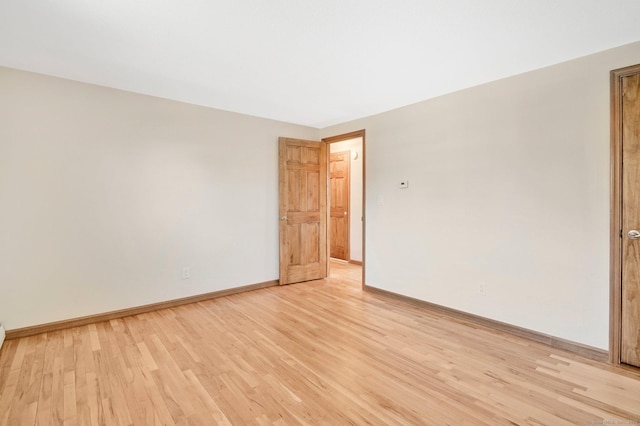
303 210
340 182
630 297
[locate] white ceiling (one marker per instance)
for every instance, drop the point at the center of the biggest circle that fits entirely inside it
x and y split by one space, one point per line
311 62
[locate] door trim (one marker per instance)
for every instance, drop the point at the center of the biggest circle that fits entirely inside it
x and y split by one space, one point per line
615 232
340 138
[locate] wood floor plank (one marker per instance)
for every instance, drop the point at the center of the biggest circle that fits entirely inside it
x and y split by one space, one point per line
321 352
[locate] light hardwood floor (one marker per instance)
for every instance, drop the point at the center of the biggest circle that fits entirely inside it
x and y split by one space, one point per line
322 352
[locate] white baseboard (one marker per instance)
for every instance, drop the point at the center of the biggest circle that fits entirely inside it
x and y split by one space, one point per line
2 334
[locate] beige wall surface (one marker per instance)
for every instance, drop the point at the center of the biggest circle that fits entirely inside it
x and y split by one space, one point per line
107 195
507 212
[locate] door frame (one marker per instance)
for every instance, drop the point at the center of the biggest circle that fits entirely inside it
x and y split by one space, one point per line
340 138
615 232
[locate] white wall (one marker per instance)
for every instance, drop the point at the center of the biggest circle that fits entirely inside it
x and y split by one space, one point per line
106 195
509 189
355 195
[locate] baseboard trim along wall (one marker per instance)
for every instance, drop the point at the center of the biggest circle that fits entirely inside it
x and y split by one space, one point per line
76 322
586 351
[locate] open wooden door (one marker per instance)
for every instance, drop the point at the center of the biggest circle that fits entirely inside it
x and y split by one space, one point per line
340 182
303 210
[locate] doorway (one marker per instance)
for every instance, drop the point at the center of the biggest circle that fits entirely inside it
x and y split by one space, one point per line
304 201
625 217
346 195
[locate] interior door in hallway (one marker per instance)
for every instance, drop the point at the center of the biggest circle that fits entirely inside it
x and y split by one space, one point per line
303 210
630 296
340 182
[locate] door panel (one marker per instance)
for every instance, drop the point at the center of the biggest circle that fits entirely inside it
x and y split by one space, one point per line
339 174
630 325
303 210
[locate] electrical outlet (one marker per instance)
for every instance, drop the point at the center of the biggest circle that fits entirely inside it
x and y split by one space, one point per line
186 272
482 289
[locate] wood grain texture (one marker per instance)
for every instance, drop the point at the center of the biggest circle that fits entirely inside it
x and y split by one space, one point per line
630 296
322 352
616 212
303 205
340 182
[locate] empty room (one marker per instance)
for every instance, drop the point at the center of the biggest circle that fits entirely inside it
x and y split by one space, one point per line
282 212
